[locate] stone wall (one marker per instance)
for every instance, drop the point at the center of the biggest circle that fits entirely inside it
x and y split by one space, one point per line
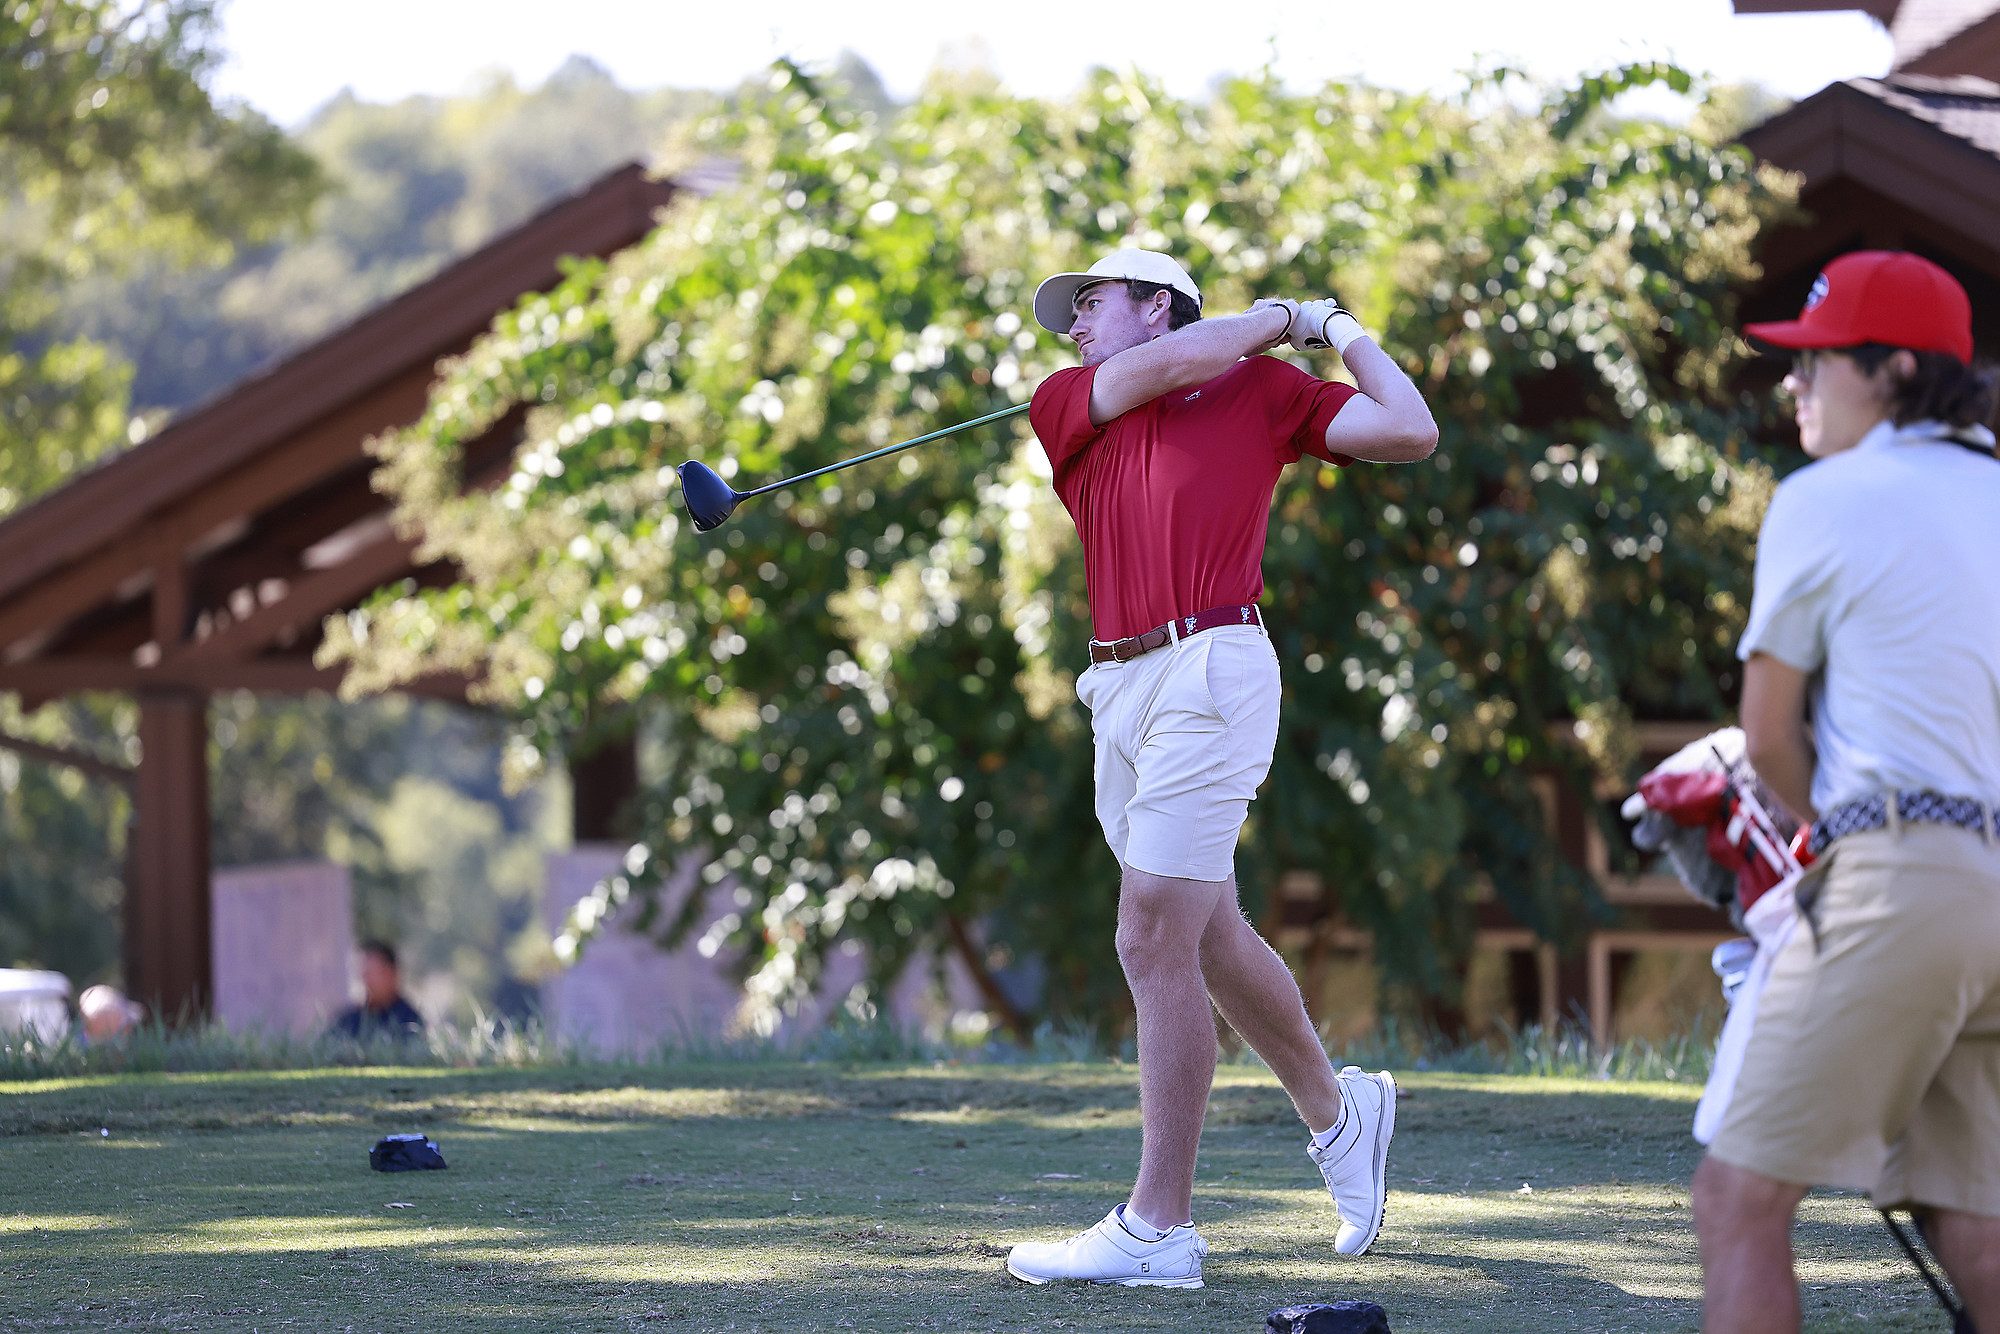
283 939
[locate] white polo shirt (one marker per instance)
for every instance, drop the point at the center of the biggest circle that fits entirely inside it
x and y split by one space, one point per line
1878 572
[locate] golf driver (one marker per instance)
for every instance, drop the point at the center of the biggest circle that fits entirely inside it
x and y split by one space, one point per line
710 500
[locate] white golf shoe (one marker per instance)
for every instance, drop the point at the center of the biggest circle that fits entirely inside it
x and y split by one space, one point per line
1107 1253
1356 1164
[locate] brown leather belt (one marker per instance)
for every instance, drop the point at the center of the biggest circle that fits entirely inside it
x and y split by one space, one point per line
1124 650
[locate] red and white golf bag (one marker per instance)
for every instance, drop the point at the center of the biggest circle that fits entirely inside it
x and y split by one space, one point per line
1735 848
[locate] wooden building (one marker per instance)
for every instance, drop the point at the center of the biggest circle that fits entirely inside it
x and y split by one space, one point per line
207 557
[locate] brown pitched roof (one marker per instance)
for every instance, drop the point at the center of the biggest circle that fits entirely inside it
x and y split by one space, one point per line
1932 36
1936 37
207 556
1930 145
1963 106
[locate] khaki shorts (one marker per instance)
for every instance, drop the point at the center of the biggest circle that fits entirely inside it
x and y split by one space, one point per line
1875 1061
1184 737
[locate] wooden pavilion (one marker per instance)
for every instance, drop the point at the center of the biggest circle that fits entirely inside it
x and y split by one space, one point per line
207 557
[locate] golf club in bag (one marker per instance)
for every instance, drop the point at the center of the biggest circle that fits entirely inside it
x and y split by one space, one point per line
710 500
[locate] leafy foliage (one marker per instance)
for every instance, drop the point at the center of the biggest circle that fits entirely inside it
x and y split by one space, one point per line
862 686
112 150
62 841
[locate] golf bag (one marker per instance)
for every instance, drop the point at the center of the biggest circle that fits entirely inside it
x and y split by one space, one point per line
1735 848
1728 838
405 1153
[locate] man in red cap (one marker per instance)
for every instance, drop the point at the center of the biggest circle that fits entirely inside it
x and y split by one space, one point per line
1871 701
1166 445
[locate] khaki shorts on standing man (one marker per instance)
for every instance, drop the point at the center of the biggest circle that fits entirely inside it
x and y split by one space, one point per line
1166 445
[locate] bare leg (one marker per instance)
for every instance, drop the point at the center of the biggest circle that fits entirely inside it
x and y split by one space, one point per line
1968 1246
1744 1222
1260 998
1160 925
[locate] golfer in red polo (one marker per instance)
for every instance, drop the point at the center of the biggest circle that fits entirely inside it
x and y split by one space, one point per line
1166 444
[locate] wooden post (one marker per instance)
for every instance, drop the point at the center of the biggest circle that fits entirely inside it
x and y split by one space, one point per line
603 784
168 964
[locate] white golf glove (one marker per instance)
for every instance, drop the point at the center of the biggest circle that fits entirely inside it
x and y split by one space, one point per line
1286 304
1323 324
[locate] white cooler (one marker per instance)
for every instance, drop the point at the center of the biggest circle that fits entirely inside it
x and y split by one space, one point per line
34 1002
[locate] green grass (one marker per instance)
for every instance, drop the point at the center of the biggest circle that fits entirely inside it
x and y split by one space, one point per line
824 1196
158 1048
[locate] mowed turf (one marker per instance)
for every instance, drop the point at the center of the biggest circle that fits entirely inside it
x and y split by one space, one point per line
788 1197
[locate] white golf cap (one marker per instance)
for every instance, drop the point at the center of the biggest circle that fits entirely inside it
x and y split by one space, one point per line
1054 308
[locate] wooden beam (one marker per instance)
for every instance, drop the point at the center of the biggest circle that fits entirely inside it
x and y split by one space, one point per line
1603 944
75 759
42 679
328 448
603 783
308 600
1881 140
168 963
171 613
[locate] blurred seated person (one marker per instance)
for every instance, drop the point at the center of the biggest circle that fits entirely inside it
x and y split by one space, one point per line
383 1012
108 1014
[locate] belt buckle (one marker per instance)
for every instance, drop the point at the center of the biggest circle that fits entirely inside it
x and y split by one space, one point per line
1118 648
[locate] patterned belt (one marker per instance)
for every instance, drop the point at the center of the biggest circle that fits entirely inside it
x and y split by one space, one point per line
1913 806
1124 650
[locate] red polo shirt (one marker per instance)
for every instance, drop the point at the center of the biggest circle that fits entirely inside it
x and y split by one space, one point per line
1172 499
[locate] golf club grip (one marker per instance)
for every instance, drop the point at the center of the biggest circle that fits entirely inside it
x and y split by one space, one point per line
884 452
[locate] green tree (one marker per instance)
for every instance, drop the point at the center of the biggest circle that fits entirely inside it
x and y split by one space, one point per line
113 150
62 841
864 684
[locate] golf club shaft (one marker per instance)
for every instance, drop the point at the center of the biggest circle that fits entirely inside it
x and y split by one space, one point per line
1014 411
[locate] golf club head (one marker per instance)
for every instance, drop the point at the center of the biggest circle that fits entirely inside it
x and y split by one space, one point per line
709 500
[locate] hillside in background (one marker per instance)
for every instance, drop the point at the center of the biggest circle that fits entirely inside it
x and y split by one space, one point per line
411 185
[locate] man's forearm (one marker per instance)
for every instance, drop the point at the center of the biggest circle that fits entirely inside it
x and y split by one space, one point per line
1785 763
1193 354
1198 352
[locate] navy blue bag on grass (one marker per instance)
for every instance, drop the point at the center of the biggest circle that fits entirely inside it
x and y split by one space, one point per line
1329 1318
405 1153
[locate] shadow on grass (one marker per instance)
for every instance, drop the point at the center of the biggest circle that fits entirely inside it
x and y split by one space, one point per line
812 1197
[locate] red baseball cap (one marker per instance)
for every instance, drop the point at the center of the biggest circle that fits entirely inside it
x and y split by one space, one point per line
1889 297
